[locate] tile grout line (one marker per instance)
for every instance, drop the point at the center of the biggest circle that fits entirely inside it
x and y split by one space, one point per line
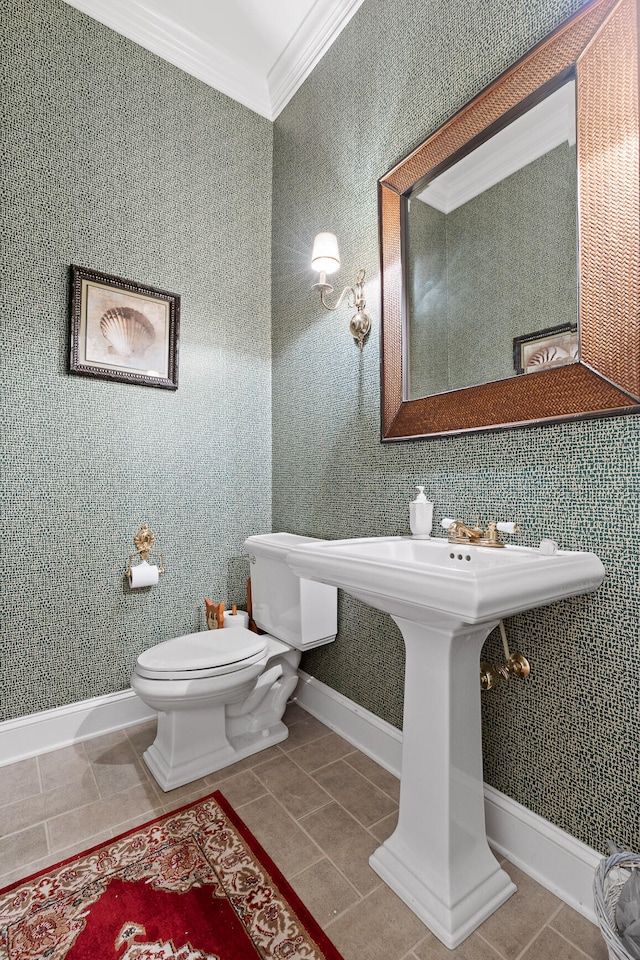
533 939
325 855
288 812
292 818
322 766
93 773
332 799
411 955
363 898
566 939
39 771
575 946
366 827
44 819
366 897
493 947
47 836
376 785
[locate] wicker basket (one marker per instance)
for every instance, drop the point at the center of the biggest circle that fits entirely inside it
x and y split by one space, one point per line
611 875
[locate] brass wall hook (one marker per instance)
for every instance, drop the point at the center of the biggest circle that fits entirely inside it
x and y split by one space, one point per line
144 542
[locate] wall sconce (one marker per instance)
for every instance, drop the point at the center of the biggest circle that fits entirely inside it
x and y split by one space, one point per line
326 259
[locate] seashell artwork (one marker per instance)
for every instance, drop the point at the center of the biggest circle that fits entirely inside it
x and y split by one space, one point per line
546 349
550 354
127 331
122 330
556 353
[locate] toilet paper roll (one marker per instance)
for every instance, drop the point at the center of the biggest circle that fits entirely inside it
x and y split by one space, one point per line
143 575
241 619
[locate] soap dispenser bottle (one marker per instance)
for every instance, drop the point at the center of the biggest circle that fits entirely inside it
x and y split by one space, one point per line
421 516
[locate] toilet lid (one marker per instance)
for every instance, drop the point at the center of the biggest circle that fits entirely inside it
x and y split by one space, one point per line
204 650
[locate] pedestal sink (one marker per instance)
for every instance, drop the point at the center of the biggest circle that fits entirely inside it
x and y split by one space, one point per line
446 599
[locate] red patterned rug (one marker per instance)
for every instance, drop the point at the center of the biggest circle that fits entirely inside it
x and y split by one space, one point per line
192 885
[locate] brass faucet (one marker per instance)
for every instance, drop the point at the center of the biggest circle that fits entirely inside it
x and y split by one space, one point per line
459 532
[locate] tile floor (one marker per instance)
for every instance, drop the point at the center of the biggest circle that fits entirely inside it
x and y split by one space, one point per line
317 805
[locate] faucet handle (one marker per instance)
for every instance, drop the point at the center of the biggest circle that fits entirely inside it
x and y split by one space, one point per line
507 527
491 538
446 522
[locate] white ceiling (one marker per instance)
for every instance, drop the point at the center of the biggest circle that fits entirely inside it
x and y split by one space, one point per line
257 51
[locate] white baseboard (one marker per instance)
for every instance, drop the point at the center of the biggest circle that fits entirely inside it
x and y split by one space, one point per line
558 861
51 729
553 858
378 739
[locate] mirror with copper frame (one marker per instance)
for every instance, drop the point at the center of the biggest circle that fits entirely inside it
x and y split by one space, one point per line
597 49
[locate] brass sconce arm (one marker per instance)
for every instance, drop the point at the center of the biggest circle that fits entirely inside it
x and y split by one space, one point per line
326 259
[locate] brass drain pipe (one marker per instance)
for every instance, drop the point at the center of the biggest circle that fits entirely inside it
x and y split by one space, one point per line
515 665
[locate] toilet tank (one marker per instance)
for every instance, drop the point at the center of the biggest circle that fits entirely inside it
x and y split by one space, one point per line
303 613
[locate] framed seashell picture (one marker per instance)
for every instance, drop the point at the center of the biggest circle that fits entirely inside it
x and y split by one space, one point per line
546 349
123 330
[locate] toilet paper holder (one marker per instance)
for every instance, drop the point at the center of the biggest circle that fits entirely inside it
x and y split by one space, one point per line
144 541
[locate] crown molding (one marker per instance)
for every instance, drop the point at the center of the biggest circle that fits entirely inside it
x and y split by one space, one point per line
319 29
264 95
182 48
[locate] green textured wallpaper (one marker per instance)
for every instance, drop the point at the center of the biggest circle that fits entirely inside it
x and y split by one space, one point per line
118 161
565 743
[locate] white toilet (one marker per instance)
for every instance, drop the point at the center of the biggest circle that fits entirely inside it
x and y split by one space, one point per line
221 694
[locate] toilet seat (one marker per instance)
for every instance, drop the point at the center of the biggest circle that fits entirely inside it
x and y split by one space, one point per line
207 653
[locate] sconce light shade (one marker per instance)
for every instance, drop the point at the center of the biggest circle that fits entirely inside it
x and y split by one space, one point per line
325 257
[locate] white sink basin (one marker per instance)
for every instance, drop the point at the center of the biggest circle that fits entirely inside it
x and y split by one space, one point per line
445 599
416 578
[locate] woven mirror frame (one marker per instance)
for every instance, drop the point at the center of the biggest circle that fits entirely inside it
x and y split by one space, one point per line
599 47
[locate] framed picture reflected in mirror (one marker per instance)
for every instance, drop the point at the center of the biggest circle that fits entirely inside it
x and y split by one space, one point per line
546 349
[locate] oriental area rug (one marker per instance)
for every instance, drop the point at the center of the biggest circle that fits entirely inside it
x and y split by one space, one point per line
192 885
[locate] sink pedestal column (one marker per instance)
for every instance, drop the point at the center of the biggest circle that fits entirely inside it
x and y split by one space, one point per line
438 859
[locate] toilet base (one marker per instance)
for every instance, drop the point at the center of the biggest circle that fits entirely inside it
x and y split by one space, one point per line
169 776
210 723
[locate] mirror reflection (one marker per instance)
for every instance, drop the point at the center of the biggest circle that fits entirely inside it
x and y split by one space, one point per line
490 257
